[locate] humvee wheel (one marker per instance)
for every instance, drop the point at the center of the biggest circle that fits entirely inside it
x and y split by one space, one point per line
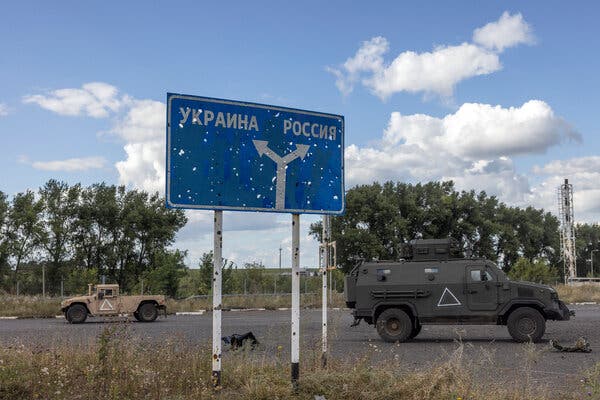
394 325
525 324
137 315
76 314
416 330
147 312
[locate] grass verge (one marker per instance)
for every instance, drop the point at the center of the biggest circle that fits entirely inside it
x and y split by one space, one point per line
120 366
37 307
579 294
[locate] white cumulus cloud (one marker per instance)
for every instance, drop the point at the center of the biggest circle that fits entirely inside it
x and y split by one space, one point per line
70 165
434 72
508 31
583 173
143 130
473 146
3 110
94 99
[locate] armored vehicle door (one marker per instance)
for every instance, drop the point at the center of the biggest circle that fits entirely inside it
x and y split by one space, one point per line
107 301
481 288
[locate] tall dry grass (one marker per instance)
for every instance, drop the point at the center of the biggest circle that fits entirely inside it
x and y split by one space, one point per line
119 366
578 294
29 306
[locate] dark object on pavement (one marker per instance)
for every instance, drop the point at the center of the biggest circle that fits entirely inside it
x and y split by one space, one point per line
435 285
581 346
236 341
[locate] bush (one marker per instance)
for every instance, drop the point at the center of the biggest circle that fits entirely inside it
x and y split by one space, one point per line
537 271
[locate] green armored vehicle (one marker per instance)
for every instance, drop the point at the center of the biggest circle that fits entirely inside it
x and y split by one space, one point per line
435 286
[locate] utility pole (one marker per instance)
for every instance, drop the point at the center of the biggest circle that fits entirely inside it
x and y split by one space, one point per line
592 260
43 281
567 230
279 259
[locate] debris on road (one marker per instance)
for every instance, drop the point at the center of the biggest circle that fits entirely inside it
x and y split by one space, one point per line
581 346
236 341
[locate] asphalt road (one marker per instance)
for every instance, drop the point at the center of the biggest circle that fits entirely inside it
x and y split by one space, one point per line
488 350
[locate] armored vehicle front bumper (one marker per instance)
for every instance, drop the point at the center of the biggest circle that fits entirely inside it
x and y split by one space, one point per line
558 311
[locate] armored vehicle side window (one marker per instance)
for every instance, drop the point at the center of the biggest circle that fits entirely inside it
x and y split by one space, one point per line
107 292
478 275
432 270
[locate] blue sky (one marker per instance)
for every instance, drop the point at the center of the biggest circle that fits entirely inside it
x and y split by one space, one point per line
499 97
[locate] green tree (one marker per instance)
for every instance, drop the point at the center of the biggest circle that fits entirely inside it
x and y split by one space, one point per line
78 279
200 280
5 243
379 219
60 204
122 233
587 239
165 276
25 229
532 271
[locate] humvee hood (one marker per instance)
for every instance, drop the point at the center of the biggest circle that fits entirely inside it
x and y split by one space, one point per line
71 300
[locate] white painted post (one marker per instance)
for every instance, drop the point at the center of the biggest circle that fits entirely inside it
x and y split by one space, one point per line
324 271
295 299
217 306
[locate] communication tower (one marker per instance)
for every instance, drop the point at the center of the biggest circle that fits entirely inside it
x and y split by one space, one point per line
567 230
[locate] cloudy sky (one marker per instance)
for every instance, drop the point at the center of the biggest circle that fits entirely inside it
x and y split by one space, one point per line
499 97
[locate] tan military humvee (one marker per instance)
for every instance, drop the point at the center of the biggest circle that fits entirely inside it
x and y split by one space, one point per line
104 300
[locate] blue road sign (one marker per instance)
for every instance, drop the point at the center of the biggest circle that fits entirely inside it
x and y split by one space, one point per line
231 155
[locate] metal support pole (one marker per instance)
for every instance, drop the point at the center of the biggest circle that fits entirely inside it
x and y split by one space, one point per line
295 362
330 273
43 281
217 306
325 250
62 287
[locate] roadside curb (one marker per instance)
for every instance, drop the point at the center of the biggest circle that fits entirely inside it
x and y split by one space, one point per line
199 312
202 312
586 303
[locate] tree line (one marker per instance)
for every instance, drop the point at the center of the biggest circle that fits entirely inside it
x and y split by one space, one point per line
76 235
79 234
381 218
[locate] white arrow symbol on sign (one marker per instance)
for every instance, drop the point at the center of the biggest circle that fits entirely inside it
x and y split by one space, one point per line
262 146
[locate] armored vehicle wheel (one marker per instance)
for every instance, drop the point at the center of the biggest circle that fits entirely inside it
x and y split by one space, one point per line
137 315
416 330
76 314
147 312
525 324
394 325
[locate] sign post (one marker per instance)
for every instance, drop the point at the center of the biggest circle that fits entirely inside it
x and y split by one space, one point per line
325 271
239 156
295 299
217 298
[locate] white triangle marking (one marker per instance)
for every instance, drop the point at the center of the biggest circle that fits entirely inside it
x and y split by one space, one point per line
106 306
456 301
